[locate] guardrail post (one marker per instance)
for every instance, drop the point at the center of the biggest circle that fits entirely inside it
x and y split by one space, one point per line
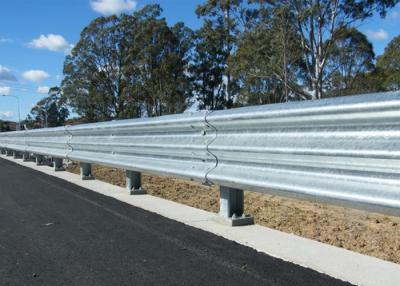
134 183
8 153
86 171
16 155
231 206
38 159
26 157
58 164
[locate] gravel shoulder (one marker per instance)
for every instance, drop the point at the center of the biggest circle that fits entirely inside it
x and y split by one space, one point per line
367 233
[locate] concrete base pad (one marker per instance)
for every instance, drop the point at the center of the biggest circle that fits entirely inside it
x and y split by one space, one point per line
88 178
337 262
236 221
138 192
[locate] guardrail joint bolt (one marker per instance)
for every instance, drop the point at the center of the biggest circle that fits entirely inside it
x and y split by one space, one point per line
134 183
58 164
86 171
231 206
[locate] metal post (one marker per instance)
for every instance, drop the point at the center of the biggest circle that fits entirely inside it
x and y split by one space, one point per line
232 206
16 155
38 159
26 157
134 183
58 164
86 171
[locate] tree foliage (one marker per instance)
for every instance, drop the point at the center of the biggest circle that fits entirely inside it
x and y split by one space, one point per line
129 66
319 25
246 52
268 61
389 65
352 57
51 111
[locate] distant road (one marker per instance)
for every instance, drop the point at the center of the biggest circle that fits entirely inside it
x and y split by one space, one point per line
55 233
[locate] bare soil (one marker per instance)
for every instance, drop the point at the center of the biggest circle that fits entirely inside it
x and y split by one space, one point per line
367 233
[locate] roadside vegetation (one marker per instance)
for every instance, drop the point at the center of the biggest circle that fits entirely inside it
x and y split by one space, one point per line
247 52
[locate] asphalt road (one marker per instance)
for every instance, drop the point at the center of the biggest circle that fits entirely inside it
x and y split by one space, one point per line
55 233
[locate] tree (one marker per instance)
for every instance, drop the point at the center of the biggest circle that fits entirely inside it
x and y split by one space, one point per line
158 62
319 24
389 65
93 80
51 111
268 61
129 66
352 56
216 41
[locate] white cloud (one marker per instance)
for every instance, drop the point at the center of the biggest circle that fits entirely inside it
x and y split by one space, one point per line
51 42
7 115
379 35
107 7
35 75
6 90
5 74
43 89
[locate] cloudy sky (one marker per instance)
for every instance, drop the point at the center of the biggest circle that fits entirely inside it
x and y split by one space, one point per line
35 36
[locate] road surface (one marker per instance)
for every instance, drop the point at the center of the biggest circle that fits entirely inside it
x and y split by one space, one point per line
56 233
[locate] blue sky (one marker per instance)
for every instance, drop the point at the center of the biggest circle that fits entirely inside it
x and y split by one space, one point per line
35 35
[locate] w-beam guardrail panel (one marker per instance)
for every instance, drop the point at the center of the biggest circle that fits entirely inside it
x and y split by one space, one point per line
343 150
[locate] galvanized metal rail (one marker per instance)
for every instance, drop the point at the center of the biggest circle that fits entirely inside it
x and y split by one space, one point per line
342 150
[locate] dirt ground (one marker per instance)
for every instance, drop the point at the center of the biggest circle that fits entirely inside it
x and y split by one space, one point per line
368 233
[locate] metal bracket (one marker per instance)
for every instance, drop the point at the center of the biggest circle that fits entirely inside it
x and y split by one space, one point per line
17 155
38 159
26 157
231 207
58 165
134 183
86 171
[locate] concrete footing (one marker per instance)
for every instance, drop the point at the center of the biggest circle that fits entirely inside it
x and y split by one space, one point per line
232 207
86 171
134 183
58 165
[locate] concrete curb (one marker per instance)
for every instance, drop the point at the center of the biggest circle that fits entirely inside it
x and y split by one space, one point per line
336 262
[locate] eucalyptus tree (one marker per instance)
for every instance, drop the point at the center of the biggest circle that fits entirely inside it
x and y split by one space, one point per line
129 66
94 81
352 56
158 62
268 61
319 23
389 65
216 41
50 111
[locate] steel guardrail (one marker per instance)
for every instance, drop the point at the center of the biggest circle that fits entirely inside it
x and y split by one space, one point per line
342 150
